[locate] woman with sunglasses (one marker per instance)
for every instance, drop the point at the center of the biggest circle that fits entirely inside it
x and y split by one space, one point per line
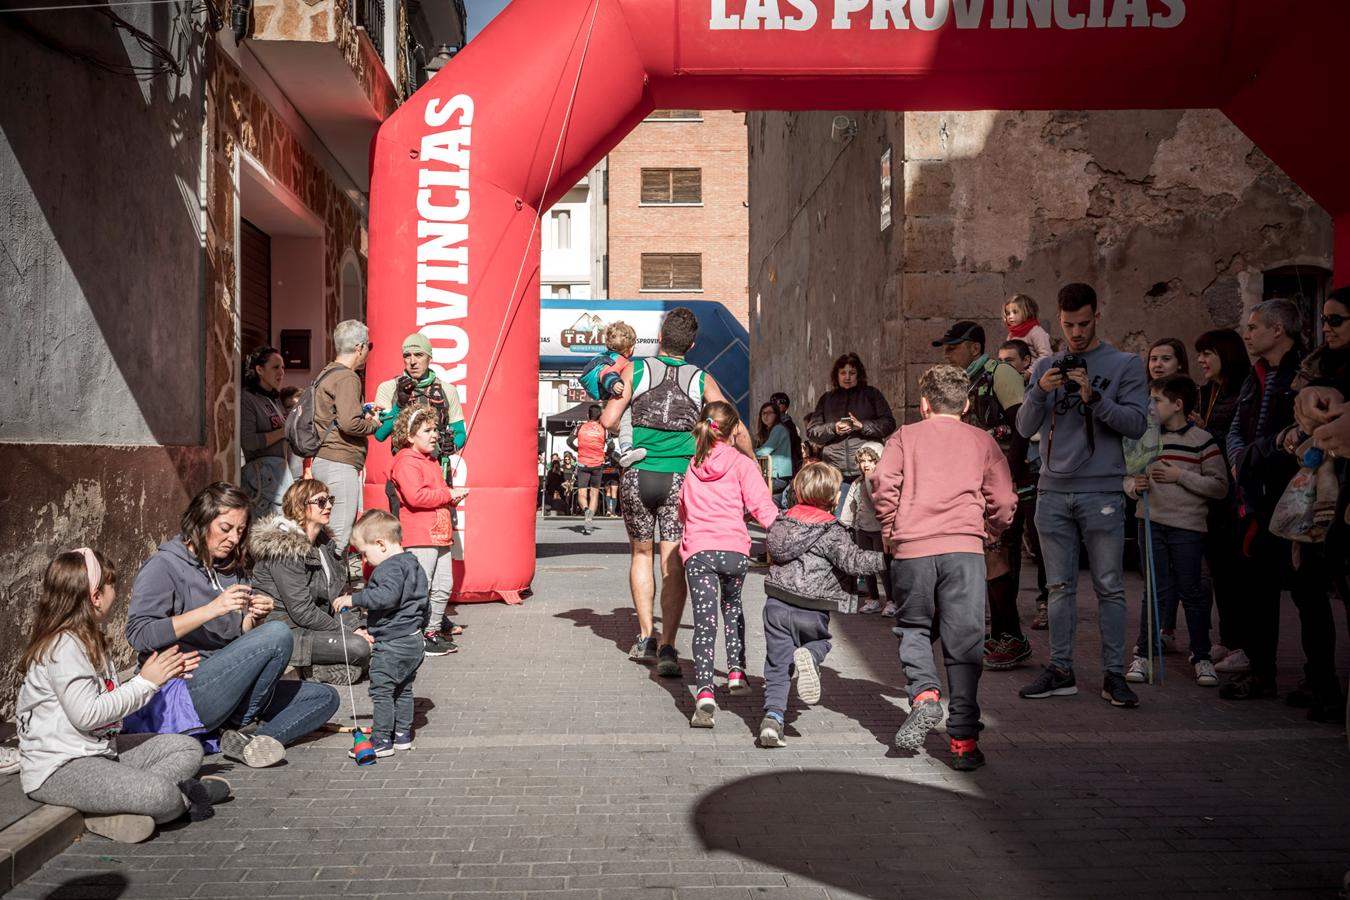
297 563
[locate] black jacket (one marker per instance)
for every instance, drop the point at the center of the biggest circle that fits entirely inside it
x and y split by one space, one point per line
1263 468
868 405
288 568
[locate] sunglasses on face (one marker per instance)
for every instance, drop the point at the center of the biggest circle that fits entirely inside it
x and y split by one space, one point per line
1335 320
321 502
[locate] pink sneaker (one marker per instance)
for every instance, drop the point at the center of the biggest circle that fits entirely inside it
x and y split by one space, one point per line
737 683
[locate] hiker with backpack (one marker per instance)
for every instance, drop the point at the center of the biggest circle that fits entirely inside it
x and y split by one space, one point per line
666 395
341 424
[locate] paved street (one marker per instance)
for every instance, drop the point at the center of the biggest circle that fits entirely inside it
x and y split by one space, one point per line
549 766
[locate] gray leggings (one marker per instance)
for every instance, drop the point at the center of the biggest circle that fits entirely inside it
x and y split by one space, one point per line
142 781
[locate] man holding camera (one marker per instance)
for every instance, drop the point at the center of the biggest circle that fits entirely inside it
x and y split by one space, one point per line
1083 402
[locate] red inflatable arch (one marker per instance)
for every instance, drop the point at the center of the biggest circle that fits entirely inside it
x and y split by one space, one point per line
462 170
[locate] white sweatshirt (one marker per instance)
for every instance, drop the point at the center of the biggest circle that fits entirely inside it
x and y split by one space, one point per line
67 710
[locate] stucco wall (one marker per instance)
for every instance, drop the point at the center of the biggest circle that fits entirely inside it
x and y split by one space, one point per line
1171 215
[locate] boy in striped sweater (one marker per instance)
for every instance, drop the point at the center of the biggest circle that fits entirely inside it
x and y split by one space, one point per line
1189 472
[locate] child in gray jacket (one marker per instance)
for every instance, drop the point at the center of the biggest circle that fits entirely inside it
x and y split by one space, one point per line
815 563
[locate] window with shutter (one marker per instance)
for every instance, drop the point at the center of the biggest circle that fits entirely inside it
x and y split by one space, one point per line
672 186
672 271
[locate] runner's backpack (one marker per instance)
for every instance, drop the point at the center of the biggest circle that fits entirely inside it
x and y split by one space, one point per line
301 432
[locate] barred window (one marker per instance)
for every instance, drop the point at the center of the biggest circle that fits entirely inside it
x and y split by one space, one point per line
672 186
672 271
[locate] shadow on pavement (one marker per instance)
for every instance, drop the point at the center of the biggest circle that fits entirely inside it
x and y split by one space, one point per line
876 837
107 885
582 546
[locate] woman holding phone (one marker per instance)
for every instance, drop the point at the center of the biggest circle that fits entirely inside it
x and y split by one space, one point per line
195 593
849 415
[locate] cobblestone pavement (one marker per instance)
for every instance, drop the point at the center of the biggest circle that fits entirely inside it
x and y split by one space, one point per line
549 766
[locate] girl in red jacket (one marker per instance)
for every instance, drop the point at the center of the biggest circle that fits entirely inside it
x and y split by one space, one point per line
424 500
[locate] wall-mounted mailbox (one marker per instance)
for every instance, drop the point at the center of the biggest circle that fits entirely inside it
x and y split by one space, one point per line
295 348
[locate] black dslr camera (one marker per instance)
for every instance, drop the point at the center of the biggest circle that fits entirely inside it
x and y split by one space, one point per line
1068 362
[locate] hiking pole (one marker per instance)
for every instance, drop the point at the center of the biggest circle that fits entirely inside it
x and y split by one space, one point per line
1151 594
362 748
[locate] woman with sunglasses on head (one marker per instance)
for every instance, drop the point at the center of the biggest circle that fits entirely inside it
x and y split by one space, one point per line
195 593
297 563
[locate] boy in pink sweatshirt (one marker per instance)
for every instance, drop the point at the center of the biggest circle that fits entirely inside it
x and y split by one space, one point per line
942 491
721 485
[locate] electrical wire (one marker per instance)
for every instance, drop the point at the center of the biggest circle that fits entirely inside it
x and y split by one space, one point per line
538 213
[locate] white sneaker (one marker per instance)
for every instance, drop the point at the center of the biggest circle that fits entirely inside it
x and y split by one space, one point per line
1204 674
1218 652
9 760
871 606
1138 671
636 454
1235 663
891 610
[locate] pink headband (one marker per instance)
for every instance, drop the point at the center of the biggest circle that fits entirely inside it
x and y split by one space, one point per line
91 568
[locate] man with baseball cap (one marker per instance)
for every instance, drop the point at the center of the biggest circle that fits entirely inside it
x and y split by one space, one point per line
995 395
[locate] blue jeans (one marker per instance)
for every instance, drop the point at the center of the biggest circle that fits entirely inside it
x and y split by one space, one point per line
1096 519
237 685
1176 572
393 667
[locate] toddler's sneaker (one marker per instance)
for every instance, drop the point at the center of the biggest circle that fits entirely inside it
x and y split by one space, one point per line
382 747
705 710
1052 682
1204 674
1139 670
924 715
891 610
871 606
808 676
771 733
737 683
966 755
632 455
403 741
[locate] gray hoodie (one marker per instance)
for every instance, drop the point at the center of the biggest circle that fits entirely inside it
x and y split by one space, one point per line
170 583
814 560
1070 463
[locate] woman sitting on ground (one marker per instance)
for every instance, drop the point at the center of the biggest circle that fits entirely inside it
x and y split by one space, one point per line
194 593
297 563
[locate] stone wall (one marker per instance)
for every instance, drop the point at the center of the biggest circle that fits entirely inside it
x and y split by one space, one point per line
1172 215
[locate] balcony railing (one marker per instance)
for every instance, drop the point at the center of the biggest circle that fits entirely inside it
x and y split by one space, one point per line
370 16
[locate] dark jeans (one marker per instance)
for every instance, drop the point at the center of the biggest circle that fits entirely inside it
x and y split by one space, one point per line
1317 625
1033 541
393 668
1176 574
786 628
326 649
1003 590
943 597
1224 558
778 489
238 685
1265 569
871 540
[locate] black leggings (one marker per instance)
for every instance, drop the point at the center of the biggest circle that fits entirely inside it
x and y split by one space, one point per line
706 572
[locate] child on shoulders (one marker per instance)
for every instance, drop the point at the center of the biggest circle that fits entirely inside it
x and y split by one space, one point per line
396 599
70 711
943 492
603 380
813 561
1020 313
721 485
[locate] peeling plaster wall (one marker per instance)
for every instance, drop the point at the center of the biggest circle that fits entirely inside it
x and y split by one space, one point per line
1171 215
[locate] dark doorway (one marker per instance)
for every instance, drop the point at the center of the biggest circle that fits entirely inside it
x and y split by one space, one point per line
255 287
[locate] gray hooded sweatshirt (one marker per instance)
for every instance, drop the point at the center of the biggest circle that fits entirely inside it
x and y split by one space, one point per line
814 559
170 583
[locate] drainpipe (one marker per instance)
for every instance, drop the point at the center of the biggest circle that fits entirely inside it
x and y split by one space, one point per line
239 16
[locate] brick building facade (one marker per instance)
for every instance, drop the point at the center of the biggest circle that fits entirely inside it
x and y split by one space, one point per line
678 219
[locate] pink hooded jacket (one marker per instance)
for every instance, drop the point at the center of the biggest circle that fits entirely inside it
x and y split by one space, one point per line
714 499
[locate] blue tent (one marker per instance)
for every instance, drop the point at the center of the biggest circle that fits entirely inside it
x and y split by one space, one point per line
571 332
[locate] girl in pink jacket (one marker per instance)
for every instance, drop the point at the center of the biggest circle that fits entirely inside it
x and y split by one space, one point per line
424 501
722 483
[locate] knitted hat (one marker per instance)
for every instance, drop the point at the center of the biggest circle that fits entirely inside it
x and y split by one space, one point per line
417 341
